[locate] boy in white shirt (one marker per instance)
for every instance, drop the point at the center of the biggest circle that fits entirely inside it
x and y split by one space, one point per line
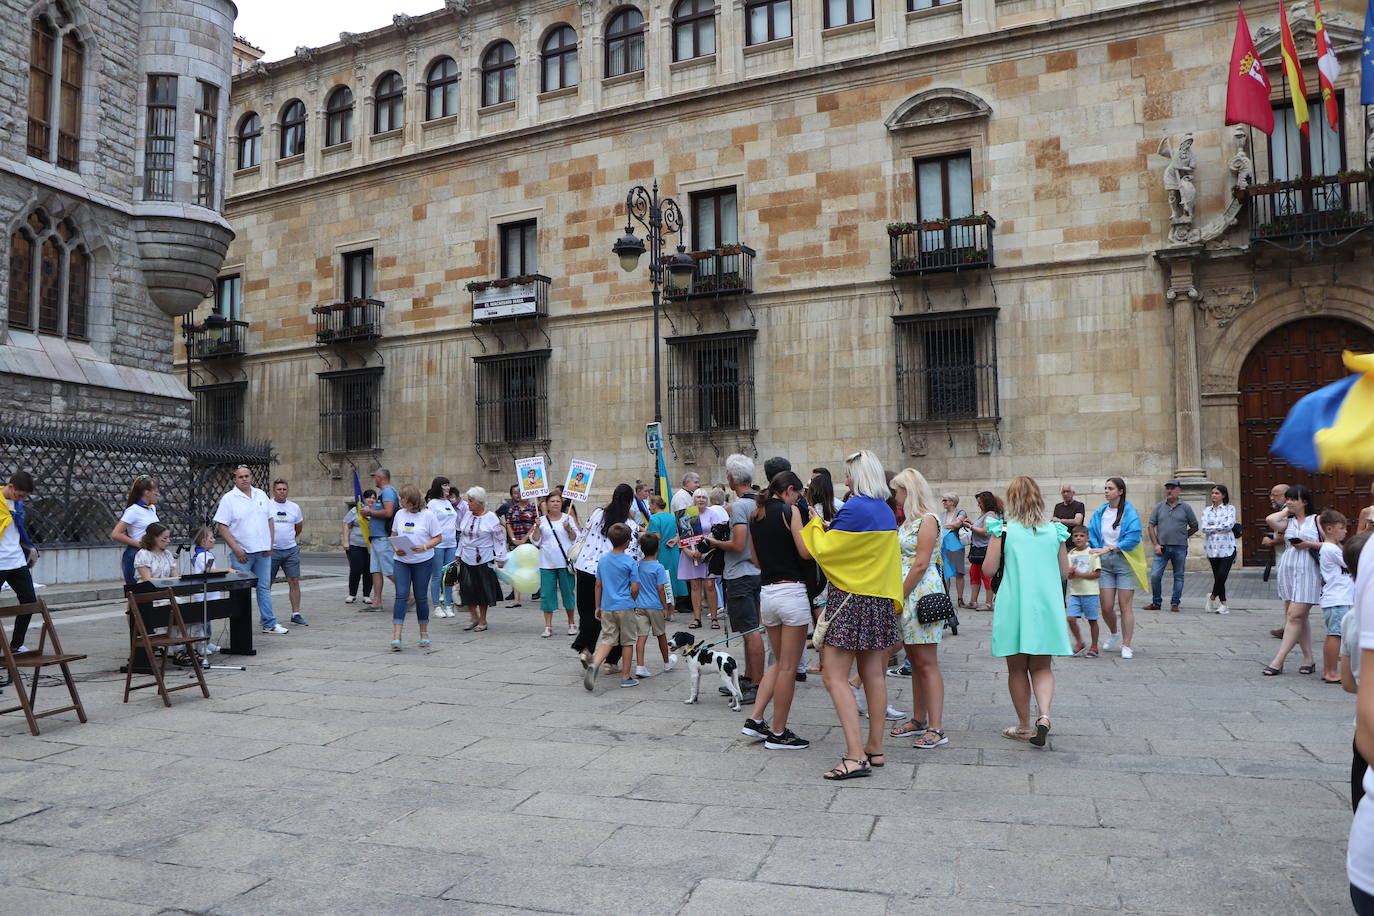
1338 590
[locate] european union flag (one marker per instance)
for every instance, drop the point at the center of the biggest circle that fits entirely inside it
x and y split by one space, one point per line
1367 58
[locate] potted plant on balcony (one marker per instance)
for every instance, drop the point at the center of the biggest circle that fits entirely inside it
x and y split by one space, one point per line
900 265
726 251
324 335
934 225
899 229
1352 176
977 219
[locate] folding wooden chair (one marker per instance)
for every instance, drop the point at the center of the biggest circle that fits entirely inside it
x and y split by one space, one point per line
144 617
36 660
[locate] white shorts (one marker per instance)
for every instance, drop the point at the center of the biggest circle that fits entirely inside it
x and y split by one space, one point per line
784 604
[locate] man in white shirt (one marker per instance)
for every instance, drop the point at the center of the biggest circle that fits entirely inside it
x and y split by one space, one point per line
244 520
287 521
683 497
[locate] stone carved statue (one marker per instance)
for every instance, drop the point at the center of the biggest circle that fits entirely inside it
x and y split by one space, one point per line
403 23
1241 165
1178 184
459 7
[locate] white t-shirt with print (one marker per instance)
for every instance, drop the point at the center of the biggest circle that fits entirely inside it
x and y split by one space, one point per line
420 527
448 520
285 516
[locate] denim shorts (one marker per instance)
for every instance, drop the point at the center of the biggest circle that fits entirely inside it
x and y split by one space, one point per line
1116 573
1086 606
383 557
1334 616
742 602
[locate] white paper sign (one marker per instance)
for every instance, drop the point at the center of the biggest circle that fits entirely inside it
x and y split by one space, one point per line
579 483
505 301
531 476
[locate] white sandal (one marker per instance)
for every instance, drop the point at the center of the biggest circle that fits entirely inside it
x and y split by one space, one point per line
548 631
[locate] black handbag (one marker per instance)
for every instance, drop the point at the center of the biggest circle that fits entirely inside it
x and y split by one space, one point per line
976 555
934 609
1237 530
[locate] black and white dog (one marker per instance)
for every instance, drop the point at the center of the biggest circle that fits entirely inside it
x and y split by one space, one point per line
698 657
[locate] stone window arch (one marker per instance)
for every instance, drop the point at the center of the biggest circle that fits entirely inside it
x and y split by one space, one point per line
388 97
498 74
625 42
694 29
292 129
441 89
49 277
250 140
559 58
57 79
338 116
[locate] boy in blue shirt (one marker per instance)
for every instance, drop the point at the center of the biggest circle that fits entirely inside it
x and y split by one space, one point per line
652 607
617 586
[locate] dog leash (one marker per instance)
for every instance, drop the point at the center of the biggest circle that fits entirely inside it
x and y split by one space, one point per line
721 642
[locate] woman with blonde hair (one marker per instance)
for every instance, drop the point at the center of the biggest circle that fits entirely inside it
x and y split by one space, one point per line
922 575
1028 627
859 554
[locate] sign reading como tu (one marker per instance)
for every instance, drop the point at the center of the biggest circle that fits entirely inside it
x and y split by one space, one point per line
505 302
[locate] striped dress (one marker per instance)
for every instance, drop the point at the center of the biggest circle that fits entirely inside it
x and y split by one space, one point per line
1300 578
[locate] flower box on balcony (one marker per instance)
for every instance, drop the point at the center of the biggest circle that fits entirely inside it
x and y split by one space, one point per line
934 246
724 271
352 319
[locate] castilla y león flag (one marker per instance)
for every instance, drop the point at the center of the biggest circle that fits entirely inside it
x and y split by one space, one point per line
1247 85
1328 68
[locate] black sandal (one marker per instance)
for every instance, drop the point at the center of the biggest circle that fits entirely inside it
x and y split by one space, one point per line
1307 669
1042 732
843 772
1271 671
695 624
872 761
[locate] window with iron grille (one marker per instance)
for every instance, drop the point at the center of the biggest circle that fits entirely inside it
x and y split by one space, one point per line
351 410
512 398
159 156
711 382
947 366
519 248
207 131
218 413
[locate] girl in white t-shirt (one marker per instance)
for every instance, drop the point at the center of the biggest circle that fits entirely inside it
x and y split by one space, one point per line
202 561
441 504
414 563
140 511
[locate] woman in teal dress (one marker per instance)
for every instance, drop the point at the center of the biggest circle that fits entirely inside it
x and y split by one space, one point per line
664 524
1028 625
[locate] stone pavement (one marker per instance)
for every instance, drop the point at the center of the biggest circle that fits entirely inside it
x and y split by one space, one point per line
337 777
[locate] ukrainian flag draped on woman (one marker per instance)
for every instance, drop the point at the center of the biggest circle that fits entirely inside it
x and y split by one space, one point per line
859 553
1128 539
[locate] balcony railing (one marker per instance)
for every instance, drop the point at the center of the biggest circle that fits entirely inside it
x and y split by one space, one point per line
724 271
934 246
1309 206
351 321
509 298
217 339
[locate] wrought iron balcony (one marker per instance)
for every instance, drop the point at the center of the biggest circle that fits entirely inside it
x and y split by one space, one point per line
509 298
724 271
935 246
217 338
1309 207
351 321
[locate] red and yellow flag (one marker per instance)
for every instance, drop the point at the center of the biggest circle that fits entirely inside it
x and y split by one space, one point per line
1328 68
1292 68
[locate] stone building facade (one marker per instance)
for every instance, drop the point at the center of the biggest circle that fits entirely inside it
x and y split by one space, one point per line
112 208
942 231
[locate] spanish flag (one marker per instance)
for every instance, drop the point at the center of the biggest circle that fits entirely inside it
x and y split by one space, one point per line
859 553
1292 68
1333 427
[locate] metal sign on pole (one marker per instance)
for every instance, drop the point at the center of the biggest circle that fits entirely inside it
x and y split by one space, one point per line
653 436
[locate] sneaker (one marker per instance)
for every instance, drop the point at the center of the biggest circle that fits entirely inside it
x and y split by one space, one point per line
298 620
1126 652
1111 642
894 714
671 663
1222 608
786 742
350 599
211 648
589 676
641 671
903 670
744 685
548 631
1152 606
756 728
278 629
629 682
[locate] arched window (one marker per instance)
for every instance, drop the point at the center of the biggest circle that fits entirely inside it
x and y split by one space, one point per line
42 59
338 116
560 59
441 89
293 129
49 278
57 59
498 74
250 140
625 42
694 29
69 102
388 108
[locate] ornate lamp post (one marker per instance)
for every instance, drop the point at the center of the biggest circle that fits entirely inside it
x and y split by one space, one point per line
660 217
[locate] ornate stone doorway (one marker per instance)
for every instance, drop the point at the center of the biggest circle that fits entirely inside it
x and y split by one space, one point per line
1289 362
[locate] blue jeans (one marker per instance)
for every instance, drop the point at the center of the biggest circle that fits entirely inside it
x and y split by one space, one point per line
126 565
259 565
408 575
442 557
1171 553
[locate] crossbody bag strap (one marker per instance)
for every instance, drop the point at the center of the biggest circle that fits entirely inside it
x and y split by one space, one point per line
557 540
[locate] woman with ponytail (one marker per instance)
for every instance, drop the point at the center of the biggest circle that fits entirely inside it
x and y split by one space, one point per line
140 511
1113 533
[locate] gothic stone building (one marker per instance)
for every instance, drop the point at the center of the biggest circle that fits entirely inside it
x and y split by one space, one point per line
111 164
939 230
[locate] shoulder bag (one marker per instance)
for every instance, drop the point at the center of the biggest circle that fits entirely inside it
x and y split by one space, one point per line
576 550
567 560
996 581
823 621
935 607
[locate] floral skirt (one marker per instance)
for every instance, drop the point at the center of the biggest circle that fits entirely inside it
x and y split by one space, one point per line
861 622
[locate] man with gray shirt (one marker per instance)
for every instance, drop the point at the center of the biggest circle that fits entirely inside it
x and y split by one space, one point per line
1277 500
1171 524
741 576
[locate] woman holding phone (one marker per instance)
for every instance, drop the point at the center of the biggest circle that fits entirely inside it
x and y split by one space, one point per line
1300 580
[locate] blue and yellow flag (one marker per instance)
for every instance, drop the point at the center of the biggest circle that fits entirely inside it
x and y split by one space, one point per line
1333 427
358 504
859 553
662 488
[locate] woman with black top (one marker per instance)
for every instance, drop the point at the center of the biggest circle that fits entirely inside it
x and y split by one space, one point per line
594 543
775 539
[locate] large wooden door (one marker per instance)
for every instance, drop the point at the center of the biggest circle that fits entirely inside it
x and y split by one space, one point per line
1291 361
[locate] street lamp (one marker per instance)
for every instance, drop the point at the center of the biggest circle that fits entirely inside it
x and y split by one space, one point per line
660 217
